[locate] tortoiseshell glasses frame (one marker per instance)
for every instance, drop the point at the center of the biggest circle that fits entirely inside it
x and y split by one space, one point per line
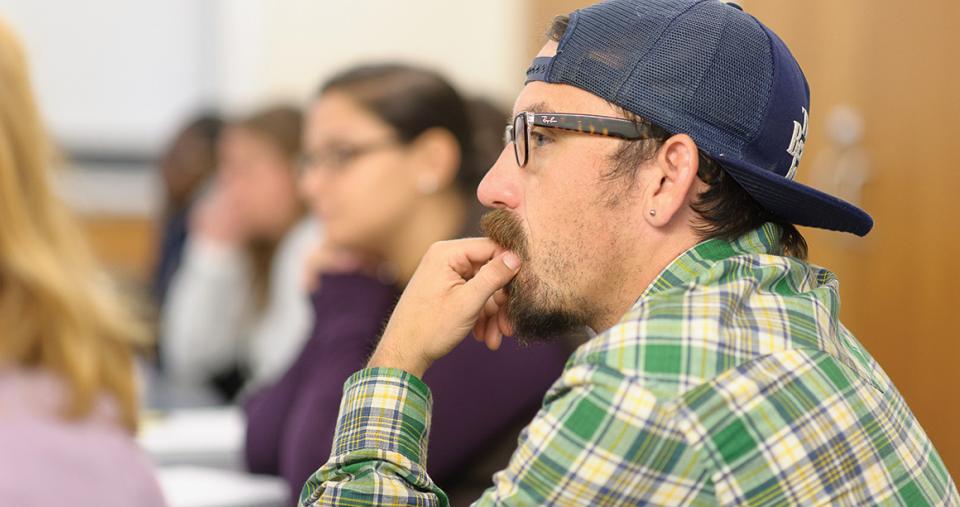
607 126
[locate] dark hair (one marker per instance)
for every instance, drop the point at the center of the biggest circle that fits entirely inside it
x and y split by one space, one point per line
725 209
206 125
280 126
413 100
190 160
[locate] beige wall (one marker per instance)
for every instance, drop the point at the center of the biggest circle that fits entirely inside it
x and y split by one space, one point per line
284 49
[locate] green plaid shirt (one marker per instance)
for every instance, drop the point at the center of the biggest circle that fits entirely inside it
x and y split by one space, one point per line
731 381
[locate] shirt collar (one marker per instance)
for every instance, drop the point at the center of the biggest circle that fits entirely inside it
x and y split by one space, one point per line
699 258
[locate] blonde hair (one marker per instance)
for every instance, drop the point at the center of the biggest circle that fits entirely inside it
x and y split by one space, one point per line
58 311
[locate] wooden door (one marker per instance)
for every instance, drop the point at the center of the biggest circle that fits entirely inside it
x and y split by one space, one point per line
885 132
895 65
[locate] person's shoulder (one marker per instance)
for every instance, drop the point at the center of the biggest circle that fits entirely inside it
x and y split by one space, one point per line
779 274
40 396
720 314
85 455
805 426
808 373
30 393
759 402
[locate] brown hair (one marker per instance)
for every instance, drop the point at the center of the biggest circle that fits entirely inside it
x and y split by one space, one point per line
279 126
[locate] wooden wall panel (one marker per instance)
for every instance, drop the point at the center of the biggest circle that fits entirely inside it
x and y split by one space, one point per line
125 244
893 65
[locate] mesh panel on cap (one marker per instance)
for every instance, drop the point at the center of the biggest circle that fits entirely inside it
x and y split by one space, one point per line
605 41
733 95
674 64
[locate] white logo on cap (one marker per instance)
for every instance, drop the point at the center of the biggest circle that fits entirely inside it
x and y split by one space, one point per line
796 143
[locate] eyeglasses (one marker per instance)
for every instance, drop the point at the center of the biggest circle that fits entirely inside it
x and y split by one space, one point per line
519 132
336 159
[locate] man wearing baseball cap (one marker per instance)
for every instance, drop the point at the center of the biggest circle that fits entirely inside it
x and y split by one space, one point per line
647 195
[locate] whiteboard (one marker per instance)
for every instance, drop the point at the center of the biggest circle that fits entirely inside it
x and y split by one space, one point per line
117 75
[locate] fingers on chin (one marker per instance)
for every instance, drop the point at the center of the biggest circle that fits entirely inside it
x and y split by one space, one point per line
493 342
479 329
504 323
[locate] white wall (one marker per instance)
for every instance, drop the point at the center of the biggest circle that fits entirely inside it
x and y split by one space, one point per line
294 44
120 75
114 74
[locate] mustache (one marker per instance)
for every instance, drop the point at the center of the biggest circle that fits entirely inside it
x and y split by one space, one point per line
505 229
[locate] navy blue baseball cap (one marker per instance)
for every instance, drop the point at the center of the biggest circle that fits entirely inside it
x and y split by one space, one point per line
709 70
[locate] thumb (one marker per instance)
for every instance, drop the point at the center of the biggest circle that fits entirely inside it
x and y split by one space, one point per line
490 278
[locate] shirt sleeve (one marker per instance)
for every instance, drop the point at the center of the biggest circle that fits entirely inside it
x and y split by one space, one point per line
206 312
284 328
380 445
599 438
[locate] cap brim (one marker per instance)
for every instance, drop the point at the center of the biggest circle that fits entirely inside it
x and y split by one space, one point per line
797 203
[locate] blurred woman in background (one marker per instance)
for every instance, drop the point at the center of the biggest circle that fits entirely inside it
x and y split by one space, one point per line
68 397
237 312
393 156
186 169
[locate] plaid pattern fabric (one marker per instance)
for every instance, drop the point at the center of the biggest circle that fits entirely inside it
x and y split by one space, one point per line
730 382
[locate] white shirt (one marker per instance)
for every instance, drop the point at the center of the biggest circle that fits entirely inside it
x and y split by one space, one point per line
210 321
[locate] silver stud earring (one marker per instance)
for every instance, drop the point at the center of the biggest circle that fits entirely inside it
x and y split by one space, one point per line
653 212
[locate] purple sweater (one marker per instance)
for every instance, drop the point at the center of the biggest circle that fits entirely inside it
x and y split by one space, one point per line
479 395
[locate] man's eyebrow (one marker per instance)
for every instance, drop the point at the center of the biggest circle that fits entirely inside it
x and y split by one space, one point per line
538 107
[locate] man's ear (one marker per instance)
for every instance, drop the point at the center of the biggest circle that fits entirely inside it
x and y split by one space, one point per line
675 172
436 160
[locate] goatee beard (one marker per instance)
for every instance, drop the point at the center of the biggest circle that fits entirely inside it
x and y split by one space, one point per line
537 312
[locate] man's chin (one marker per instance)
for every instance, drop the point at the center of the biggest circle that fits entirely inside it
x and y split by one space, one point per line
539 325
571 338
538 312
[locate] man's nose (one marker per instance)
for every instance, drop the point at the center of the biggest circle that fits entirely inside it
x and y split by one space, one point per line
500 187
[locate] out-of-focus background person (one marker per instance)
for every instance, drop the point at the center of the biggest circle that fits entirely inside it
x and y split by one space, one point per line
186 168
391 165
237 311
68 394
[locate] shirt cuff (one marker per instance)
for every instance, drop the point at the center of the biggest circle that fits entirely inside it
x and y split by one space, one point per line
386 409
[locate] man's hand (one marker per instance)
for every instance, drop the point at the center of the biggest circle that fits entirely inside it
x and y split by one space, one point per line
456 289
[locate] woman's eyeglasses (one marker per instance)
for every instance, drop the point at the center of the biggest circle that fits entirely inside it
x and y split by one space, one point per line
518 133
336 159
